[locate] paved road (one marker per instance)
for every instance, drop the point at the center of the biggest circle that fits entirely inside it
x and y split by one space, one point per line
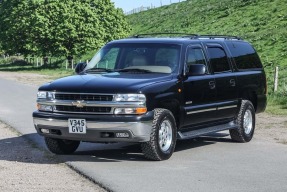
205 164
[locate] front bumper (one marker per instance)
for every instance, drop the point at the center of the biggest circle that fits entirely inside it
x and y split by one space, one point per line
100 128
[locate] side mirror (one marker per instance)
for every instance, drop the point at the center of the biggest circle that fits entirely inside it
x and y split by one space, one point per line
80 67
197 70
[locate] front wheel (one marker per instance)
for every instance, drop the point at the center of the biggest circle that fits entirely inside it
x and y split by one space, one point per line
163 136
246 123
60 146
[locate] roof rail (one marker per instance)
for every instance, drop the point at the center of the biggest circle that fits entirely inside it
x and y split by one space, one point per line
185 35
218 36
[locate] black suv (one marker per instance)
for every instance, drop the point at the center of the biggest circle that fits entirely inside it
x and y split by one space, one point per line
155 91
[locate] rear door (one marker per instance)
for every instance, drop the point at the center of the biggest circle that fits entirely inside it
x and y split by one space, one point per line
199 91
225 80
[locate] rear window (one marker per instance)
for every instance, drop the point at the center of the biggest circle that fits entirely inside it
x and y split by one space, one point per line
244 55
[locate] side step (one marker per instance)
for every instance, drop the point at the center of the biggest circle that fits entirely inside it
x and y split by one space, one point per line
200 132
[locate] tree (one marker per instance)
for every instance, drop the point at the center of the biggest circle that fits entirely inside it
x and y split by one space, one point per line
15 22
59 27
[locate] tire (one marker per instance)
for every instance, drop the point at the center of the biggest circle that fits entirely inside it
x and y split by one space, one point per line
164 131
60 146
245 130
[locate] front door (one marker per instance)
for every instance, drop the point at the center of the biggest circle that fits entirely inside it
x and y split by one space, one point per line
199 91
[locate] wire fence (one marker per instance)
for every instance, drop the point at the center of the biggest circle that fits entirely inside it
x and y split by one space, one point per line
54 62
277 80
152 6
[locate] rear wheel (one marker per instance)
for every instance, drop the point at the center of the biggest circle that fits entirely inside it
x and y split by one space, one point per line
246 123
60 146
162 138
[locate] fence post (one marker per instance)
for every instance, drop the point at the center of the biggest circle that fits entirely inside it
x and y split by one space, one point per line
72 63
37 62
276 79
66 63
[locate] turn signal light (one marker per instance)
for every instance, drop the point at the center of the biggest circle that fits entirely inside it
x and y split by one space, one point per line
141 110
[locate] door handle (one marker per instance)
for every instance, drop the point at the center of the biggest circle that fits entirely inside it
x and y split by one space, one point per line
232 82
212 84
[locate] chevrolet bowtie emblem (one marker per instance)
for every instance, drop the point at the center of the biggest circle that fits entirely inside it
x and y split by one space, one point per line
79 104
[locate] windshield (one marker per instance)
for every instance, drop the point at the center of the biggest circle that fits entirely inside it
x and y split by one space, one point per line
152 58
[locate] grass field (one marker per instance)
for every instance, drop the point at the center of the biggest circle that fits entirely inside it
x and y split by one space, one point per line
53 70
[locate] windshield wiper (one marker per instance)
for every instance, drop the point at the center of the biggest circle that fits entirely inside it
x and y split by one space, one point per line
99 70
135 70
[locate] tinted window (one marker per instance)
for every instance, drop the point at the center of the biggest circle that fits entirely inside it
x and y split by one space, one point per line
244 55
195 56
218 59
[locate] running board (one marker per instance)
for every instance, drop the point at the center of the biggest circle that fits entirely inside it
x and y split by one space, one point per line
204 131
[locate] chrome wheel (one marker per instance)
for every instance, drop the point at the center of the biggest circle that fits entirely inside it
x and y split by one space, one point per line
248 122
165 135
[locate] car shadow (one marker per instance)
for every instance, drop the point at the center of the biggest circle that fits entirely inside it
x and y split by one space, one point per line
11 149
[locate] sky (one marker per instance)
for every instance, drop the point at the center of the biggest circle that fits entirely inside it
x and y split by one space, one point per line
128 5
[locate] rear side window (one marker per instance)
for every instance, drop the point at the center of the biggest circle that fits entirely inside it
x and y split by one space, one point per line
244 55
218 59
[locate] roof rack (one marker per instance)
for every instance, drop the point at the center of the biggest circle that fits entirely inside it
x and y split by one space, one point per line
186 35
218 37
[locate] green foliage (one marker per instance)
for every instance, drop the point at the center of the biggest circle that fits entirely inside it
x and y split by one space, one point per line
277 104
59 27
15 27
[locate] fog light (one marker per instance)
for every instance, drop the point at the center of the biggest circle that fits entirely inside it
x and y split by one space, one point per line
46 131
122 135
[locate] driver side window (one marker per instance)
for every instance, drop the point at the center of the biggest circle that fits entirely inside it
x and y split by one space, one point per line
195 55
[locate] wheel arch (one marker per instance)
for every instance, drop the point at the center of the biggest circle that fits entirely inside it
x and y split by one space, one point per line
250 95
173 105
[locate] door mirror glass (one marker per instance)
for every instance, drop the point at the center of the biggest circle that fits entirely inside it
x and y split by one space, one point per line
80 67
197 70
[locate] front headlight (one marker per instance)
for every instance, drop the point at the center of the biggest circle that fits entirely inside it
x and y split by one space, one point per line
45 95
130 111
130 97
137 110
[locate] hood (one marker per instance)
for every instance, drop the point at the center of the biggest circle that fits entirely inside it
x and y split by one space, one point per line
105 83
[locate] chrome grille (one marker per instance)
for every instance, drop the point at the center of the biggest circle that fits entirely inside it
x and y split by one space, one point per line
85 97
74 109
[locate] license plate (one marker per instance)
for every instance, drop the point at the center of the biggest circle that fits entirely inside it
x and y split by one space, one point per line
78 126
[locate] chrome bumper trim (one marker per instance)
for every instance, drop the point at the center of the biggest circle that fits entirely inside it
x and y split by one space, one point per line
93 124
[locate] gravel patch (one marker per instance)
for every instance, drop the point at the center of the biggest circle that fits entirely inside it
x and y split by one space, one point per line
271 128
24 167
26 78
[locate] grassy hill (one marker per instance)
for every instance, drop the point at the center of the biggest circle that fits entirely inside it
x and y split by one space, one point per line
261 22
